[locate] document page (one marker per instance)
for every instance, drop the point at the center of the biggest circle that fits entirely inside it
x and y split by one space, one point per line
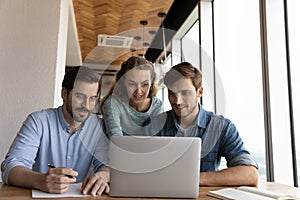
234 194
266 193
73 191
248 193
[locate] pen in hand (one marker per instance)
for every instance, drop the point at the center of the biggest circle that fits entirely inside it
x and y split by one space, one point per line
51 166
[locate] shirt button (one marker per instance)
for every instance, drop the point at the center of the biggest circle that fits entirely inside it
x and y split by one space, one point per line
69 157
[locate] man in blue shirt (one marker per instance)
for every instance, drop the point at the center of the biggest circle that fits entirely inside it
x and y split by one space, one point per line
69 137
219 135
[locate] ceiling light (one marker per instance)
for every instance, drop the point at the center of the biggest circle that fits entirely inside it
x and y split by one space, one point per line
114 41
143 23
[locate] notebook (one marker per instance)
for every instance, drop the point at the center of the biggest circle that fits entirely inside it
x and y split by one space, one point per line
144 166
250 193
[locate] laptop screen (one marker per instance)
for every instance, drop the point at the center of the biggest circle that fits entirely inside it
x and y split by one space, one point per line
155 166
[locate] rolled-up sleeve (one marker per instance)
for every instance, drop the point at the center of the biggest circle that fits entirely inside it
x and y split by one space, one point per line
234 150
24 148
243 159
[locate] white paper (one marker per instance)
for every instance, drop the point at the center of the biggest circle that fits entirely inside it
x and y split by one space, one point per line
73 191
232 194
247 193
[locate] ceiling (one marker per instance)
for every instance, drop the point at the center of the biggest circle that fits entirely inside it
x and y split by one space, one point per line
116 17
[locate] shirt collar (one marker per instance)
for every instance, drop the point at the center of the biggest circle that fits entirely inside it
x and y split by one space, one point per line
63 121
65 125
201 119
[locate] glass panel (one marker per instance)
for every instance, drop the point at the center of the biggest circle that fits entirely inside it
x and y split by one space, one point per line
208 99
167 106
190 49
279 93
190 45
176 50
238 61
294 32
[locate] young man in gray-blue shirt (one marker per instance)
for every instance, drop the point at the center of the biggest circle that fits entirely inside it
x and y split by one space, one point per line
69 139
219 135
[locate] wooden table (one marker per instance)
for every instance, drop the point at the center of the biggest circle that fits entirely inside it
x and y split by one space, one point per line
17 193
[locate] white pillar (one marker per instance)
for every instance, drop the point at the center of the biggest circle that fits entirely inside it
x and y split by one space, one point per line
33 45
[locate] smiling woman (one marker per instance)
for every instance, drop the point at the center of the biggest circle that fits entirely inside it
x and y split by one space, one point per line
131 99
138 86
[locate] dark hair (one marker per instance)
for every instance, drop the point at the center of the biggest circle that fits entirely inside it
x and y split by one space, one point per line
134 62
184 70
80 73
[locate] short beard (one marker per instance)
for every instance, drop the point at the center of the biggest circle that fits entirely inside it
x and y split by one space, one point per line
69 109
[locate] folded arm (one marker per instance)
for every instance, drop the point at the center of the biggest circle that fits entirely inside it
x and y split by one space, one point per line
232 176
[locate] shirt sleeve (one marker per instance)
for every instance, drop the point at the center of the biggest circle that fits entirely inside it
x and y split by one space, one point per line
24 148
112 117
233 148
243 159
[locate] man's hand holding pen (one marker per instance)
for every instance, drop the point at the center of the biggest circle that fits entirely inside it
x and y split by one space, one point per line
68 174
58 179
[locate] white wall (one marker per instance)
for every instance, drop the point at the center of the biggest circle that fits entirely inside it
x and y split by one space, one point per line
33 44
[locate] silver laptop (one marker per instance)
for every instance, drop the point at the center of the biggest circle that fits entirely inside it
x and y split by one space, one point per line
154 166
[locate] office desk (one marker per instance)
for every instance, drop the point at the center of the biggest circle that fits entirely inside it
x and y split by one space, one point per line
16 193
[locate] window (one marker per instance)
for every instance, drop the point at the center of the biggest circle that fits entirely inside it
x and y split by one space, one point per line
294 32
190 45
163 92
207 63
231 64
238 61
279 92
